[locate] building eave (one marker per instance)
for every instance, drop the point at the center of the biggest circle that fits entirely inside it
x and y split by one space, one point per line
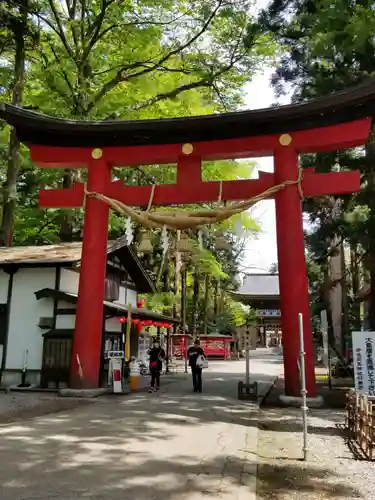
112 308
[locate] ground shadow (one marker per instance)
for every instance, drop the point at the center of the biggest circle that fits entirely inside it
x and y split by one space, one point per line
140 448
70 455
274 481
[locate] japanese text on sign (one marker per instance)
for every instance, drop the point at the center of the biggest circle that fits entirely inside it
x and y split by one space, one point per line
370 366
364 361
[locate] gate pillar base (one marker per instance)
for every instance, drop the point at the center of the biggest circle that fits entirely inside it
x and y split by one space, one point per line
294 401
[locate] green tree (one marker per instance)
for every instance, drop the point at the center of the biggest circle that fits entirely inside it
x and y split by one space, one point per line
325 47
17 34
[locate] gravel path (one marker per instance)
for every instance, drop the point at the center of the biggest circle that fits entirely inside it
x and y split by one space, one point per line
331 472
20 405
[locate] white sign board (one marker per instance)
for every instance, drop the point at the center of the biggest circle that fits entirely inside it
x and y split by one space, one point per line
250 339
271 313
114 354
364 361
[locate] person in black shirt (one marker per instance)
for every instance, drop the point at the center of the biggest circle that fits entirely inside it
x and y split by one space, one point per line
157 355
194 352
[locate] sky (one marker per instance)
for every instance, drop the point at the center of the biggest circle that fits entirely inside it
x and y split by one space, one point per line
261 252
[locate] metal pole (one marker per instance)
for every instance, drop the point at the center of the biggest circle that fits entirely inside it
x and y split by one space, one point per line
304 407
183 313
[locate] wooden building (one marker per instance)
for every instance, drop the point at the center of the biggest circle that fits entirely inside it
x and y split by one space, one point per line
261 292
38 297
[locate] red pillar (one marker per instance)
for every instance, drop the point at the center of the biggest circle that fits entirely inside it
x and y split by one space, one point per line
89 319
292 273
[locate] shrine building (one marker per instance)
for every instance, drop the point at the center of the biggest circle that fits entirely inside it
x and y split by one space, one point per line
261 292
38 297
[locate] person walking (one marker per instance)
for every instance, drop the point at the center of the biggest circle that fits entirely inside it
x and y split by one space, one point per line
196 362
157 355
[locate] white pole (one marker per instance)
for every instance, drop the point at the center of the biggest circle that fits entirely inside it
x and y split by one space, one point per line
304 407
247 379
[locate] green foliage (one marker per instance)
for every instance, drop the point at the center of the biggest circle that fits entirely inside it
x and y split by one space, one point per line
106 59
327 46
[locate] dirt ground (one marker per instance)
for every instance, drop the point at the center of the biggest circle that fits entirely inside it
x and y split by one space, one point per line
331 471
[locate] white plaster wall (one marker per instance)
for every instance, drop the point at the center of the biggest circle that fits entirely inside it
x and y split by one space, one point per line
65 322
69 281
127 296
4 280
112 325
25 311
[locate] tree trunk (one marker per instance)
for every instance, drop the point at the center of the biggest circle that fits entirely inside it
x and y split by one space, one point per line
195 305
345 328
356 309
66 225
10 188
370 176
205 302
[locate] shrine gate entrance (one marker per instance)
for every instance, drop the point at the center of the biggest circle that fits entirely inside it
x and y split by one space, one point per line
283 133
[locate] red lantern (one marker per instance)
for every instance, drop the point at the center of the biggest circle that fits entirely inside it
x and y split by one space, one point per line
135 321
123 320
140 303
140 327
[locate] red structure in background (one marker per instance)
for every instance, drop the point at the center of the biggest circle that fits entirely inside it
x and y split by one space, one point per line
213 346
216 347
187 143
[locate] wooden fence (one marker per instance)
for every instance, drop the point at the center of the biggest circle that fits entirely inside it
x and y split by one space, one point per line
360 423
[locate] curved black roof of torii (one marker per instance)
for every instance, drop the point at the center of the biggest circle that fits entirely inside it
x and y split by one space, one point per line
351 104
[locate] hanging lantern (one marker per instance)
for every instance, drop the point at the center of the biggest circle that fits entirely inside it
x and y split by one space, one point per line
123 320
140 303
135 321
145 245
185 244
221 243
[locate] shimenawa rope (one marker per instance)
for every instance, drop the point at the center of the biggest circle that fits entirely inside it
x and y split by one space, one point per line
191 220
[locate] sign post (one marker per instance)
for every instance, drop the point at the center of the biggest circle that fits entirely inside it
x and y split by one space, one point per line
247 390
364 361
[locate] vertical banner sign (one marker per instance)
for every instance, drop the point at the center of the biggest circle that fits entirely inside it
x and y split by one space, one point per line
364 361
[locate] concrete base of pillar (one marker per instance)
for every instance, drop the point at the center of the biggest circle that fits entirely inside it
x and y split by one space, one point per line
83 393
316 402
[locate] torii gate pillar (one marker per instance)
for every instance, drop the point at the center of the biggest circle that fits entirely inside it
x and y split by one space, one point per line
89 319
293 281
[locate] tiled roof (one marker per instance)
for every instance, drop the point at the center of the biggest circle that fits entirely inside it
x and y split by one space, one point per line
62 252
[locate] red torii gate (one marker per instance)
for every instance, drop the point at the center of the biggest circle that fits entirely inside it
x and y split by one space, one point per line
190 188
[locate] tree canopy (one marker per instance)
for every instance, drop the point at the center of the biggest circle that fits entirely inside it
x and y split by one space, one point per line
326 46
122 59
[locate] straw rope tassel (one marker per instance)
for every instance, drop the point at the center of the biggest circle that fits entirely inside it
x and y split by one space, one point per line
192 220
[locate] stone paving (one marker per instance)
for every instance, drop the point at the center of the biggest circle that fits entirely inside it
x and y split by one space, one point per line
166 446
